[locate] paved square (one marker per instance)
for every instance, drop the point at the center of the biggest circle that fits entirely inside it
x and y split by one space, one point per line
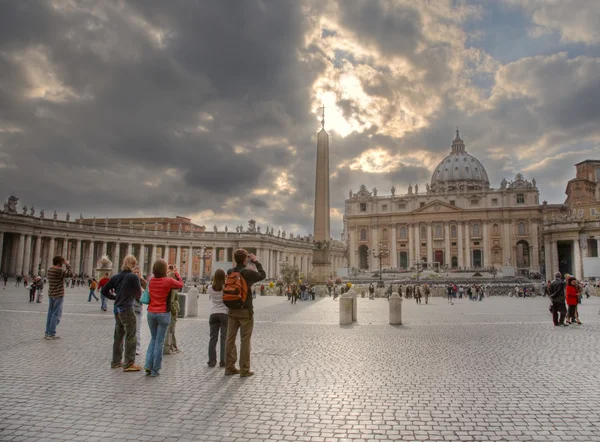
491 370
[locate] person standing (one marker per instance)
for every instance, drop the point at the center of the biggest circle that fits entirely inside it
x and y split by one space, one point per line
427 292
170 345
124 288
5 280
572 298
418 295
39 287
159 313
557 297
32 290
56 294
217 320
103 281
92 288
242 318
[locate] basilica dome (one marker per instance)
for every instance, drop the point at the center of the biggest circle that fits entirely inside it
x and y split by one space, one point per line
459 171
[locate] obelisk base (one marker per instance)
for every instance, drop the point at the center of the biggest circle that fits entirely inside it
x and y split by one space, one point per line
321 266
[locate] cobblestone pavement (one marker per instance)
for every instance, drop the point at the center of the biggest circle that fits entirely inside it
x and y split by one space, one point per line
473 371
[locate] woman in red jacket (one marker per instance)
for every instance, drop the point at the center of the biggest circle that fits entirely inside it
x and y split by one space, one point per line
159 313
572 299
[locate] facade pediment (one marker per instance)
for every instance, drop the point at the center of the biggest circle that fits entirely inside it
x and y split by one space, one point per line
437 206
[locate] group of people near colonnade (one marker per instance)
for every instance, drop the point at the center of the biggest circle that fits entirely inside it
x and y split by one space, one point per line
129 289
565 296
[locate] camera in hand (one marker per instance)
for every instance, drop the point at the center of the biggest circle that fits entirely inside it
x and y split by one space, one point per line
171 267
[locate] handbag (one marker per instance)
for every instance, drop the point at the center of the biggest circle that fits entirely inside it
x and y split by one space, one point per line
145 299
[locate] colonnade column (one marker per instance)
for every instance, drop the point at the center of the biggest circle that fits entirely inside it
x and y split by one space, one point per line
130 249
142 258
117 255
487 256
51 246
394 248
64 247
352 262
154 250
166 253
535 261
90 264
447 258
429 245
467 246
577 260
1 249
20 251
77 256
460 244
178 258
104 248
189 263
27 259
36 255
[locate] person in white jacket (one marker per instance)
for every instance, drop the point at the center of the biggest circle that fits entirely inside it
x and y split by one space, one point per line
217 320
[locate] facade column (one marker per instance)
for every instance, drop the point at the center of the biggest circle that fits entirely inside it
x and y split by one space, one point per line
535 259
353 249
190 259
20 252
487 256
507 249
166 253
90 263
51 246
117 255
104 248
374 246
44 256
130 249
548 259
178 258
1 250
468 262
554 252
77 265
394 248
36 255
27 258
429 246
577 260
411 246
418 242
460 244
447 257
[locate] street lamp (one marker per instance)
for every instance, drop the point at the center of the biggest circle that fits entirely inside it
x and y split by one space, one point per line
379 254
419 264
203 255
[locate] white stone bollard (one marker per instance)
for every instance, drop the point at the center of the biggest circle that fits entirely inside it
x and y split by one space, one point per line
345 303
192 303
395 309
354 303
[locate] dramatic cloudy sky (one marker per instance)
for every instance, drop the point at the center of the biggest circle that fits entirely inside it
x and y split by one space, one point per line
208 109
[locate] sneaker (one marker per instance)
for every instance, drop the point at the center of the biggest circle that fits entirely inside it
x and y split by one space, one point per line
147 370
55 337
211 364
246 374
133 367
232 371
564 325
48 337
117 365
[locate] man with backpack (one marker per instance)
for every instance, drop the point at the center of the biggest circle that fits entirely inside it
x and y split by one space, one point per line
236 296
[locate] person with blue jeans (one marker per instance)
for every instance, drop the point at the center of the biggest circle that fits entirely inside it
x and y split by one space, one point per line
56 293
159 312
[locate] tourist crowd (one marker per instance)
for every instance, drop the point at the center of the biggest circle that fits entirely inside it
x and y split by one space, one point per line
232 310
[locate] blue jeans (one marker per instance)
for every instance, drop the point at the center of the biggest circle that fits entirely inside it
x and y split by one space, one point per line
158 323
55 307
92 294
103 298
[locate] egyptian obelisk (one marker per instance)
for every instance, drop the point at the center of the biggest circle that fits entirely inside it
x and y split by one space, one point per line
321 253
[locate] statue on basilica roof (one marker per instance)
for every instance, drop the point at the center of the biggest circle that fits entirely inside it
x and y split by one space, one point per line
393 191
410 189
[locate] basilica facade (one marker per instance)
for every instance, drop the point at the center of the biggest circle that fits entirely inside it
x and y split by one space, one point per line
459 221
